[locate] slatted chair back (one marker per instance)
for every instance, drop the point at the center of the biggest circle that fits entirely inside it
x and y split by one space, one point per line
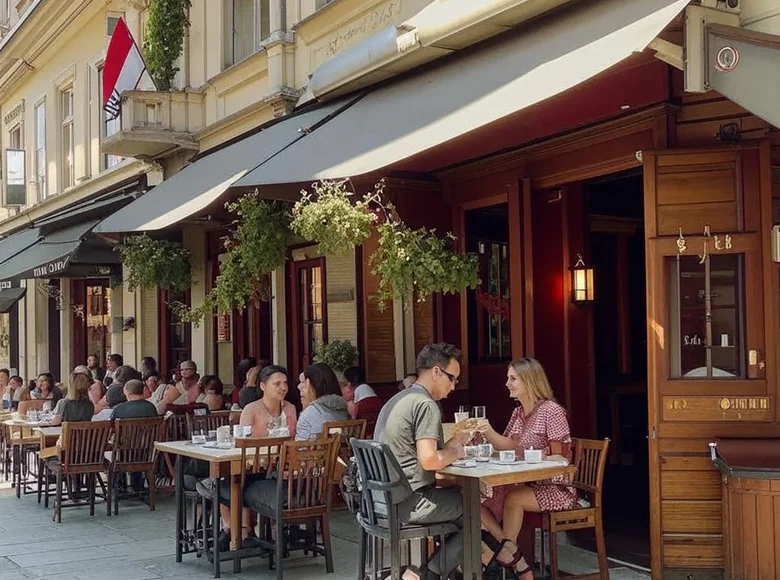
208 422
134 444
384 483
177 428
347 431
590 459
84 445
304 477
259 455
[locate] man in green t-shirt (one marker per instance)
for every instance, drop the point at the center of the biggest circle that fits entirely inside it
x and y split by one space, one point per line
410 424
136 407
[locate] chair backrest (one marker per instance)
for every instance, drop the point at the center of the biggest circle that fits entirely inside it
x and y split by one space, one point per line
259 455
209 422
31 405
193 409
347 431
84 445
235 417
590 459
134 443
305 475
177 428
384 482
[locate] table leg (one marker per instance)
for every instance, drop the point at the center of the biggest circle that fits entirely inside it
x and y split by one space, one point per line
235 512
17 479
472 534
178 486
216 525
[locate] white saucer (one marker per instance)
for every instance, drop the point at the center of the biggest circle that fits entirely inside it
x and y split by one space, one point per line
464 463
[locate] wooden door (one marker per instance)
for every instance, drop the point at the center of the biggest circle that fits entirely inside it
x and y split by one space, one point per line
711 338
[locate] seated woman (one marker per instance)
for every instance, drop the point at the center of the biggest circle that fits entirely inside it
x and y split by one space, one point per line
250 392
538 422
321 399
46 389
77 406
271 410
211 393
263 415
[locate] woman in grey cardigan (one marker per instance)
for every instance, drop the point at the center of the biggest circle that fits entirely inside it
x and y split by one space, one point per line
322 401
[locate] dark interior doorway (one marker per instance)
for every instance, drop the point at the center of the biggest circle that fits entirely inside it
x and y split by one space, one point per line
615 208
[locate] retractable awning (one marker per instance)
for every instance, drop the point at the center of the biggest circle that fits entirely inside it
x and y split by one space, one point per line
468 91
18 242
8 298
205 180
64 253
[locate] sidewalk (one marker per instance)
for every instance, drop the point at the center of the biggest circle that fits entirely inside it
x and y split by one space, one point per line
138 545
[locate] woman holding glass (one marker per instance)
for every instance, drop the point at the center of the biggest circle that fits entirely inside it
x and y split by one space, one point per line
538 422
271 410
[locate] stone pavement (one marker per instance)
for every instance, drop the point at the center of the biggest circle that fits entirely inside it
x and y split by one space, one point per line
138 545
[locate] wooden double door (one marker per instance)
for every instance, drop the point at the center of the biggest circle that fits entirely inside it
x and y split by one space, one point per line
712 351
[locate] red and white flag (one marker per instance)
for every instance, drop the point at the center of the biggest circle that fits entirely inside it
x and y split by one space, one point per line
124 70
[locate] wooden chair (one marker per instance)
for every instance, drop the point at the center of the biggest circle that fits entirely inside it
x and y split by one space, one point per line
259 457
31 405
82 452
590 459
133 453
208 422
303 494
346 432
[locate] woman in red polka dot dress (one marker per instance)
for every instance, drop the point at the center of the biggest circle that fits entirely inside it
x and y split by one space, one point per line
538 422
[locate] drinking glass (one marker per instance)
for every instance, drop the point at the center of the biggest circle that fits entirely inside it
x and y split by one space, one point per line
224 436
461 416
479 412
485 452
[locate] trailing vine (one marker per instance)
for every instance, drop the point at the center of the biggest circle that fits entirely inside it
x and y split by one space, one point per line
257 247
154 263
407 261
328 216
164 39
419 261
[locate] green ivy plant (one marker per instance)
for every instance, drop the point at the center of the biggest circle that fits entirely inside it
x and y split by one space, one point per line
338 355
257 247
164 39
154 263
327 215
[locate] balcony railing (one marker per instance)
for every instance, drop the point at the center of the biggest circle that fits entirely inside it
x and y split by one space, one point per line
154 124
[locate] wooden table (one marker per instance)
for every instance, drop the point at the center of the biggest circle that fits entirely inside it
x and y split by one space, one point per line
222 463
23 439
493 474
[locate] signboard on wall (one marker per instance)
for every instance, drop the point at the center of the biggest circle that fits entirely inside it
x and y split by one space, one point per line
223 328
15 177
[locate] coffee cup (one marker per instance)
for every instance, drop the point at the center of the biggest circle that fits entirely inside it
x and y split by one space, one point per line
533 455
506 456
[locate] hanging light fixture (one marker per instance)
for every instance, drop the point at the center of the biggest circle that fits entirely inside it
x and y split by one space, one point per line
582 282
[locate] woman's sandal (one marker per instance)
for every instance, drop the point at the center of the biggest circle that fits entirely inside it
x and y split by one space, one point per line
498 547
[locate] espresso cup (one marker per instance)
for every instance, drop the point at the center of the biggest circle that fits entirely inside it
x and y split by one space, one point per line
506 456
533 455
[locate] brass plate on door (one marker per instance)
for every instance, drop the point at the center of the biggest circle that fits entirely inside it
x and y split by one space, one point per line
717 409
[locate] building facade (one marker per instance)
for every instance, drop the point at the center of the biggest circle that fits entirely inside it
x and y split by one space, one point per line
538 132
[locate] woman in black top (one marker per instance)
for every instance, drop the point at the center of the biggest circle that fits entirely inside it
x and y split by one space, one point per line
78 406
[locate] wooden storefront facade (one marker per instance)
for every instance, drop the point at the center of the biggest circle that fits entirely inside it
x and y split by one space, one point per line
540 172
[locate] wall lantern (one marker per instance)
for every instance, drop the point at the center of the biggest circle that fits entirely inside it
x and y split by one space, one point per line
582 282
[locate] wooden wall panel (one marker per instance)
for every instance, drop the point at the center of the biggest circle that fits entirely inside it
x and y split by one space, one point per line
424 331
378 327
691 517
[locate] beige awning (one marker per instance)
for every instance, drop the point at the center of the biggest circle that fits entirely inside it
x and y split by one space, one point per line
517 70
204 181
